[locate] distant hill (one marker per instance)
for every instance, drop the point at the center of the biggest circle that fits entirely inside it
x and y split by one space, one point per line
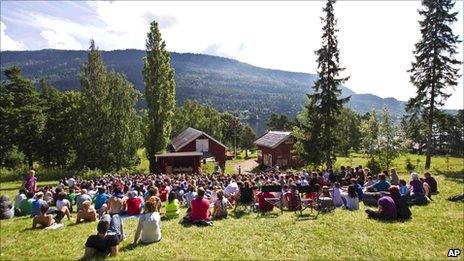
226 84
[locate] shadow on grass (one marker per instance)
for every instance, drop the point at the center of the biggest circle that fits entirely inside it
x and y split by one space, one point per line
456 176
240 213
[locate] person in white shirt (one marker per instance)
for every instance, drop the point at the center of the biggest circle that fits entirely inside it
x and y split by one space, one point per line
231 189
337 195
149 225
352 201
20 197
71 182
62 204
190 195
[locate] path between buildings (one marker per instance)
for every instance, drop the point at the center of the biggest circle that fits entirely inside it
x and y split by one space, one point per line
246 165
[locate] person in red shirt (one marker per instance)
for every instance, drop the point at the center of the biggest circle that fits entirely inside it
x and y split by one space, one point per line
134 204
200 207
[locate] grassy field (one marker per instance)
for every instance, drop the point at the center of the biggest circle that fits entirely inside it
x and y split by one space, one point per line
431 232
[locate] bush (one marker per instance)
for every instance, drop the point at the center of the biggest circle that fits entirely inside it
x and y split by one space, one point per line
374 166
409 166
14 158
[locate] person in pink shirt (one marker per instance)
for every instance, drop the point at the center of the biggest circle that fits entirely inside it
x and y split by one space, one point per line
200 207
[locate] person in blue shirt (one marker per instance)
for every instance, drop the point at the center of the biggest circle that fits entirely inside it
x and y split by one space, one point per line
100 200
358 188
37 204
382 184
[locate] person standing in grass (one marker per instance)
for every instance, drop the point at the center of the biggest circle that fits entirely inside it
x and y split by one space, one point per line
149 224
172 208
30 183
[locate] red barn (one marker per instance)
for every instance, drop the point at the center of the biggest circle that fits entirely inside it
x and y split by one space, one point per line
275 149
194 140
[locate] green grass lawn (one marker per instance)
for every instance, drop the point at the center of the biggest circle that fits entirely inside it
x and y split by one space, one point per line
431 232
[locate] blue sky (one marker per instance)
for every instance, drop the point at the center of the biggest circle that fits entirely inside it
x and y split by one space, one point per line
376 38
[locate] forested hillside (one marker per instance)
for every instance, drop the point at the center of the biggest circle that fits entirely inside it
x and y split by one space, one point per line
252 92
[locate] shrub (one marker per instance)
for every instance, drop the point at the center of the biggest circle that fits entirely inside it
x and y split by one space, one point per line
374 166
409 166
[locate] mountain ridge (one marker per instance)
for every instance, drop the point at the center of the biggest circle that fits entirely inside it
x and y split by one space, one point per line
224 83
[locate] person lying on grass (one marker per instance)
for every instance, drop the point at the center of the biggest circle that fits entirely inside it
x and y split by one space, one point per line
45 219
87 214
106 241
149 224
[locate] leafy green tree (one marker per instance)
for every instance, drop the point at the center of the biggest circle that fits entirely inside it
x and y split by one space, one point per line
369 134
62 113
232 129
124 123
21 115
435 69
389 141
348 131
319 120
279 122
160 94
247 139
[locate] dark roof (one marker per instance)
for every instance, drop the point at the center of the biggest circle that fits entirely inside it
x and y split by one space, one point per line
187 136
179 154
272 139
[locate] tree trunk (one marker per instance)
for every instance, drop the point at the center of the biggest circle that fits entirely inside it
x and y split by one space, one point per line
246 154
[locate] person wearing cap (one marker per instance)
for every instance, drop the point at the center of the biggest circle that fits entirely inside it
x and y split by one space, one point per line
134 203
37 204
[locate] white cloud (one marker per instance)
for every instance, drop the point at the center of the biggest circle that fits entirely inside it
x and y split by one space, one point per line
60 40
6 42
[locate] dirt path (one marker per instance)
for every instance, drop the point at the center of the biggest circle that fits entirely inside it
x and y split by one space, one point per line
246 165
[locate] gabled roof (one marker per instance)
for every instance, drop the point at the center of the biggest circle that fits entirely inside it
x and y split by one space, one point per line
187 136
179 154
272 139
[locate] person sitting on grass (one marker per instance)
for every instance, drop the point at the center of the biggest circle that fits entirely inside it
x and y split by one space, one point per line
351 198
404 190
6 208
220 206
358 188
199 213
63 205
386 211
81 198
419 190
172 208
402 209
370 181
18 199
87 214
25 208
149 224
134 203
381 185
45 219
394 177
37 204
189 196
337 195
116 205
72 198
100 200
431 182
106 241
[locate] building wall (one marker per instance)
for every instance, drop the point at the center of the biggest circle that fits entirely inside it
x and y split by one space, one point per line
281 155
217 150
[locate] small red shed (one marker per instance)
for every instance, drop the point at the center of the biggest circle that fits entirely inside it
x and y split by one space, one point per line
274 148
194 140
179 162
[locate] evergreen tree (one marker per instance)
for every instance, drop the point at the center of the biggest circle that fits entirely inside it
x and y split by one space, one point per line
278 122
319 119
435 68
160 94
21 115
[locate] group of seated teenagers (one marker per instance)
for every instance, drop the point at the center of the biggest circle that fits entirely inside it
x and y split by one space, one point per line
155 196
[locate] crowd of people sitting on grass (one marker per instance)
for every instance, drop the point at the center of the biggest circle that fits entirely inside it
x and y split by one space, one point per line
153 197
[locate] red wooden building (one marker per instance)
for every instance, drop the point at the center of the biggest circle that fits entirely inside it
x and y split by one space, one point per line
187 150
274 148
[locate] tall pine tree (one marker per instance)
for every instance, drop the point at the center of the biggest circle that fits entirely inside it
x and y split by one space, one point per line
435 68
160 94
317 124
